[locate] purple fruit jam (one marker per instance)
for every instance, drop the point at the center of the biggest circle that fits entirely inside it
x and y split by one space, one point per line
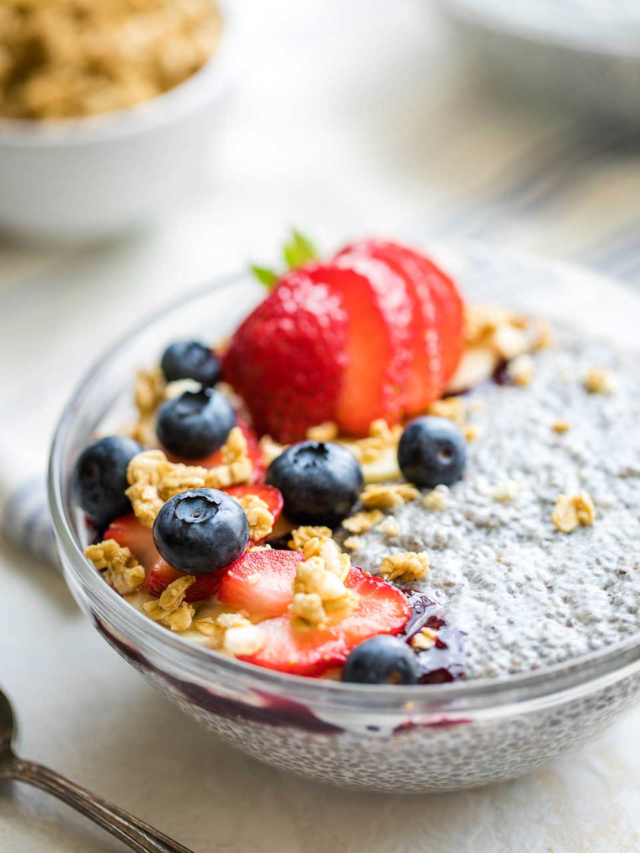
444 661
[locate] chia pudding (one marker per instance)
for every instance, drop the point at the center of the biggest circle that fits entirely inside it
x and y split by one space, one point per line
374 481
526 594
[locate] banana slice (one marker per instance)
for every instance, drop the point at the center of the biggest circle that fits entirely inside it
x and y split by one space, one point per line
478 365
381 469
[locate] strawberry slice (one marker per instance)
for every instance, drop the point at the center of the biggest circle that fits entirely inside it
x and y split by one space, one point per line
299 651
449 306
261 583
380 330
425 381
287 358
215 459
128 532
162 574
269 494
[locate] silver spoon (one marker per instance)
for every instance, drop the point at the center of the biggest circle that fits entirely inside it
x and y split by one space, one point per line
135 833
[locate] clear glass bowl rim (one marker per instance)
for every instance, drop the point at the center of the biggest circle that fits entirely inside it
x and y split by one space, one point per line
546 686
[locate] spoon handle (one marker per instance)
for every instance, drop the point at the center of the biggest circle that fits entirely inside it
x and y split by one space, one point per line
137 834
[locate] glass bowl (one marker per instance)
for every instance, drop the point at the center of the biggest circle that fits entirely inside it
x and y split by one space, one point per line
405 739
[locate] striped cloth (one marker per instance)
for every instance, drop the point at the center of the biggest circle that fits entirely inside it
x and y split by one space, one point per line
572 194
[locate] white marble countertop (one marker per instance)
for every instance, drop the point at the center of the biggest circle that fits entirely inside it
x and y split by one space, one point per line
347 117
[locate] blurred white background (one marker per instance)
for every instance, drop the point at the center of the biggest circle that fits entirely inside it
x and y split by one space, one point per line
346 117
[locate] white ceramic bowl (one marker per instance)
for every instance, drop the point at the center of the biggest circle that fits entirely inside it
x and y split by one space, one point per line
581 54
88 178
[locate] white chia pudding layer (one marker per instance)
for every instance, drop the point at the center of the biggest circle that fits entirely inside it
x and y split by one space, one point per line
526 594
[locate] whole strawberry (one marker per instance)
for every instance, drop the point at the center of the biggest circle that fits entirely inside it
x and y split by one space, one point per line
374 333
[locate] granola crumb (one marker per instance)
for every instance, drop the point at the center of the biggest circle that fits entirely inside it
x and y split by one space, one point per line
362 521
233 633
471 432
437 500
260 548
149 391
508 335
270 449
505 491
390 526
301 535
260 519
452 408
354 543
521 370
388 496
561 426
244 640
572 511
424 639
123 571
599 380
381 437
406 566
171 609
327 431
320 597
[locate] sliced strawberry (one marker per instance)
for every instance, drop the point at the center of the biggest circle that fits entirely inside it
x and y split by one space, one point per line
450 309
269 494
425 381
299 651
215 459
260 582
449 300
379 343
382 609
287 358
128 532
162 574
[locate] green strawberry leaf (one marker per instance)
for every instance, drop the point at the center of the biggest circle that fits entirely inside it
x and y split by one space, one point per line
298 250
264 275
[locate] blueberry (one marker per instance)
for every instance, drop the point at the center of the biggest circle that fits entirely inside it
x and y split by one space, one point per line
432 451
190 360
195 424
319 481
201 531
381 660
100 477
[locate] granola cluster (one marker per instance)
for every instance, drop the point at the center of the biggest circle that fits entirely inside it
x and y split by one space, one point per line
171 610
153 479
407 566
381 438
573 511
260 519
123 571
362 521
599 380
301 535
69 58
233 633
508 335
388 496
320 597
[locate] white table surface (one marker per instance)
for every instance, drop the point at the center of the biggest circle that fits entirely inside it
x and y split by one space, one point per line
327 129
